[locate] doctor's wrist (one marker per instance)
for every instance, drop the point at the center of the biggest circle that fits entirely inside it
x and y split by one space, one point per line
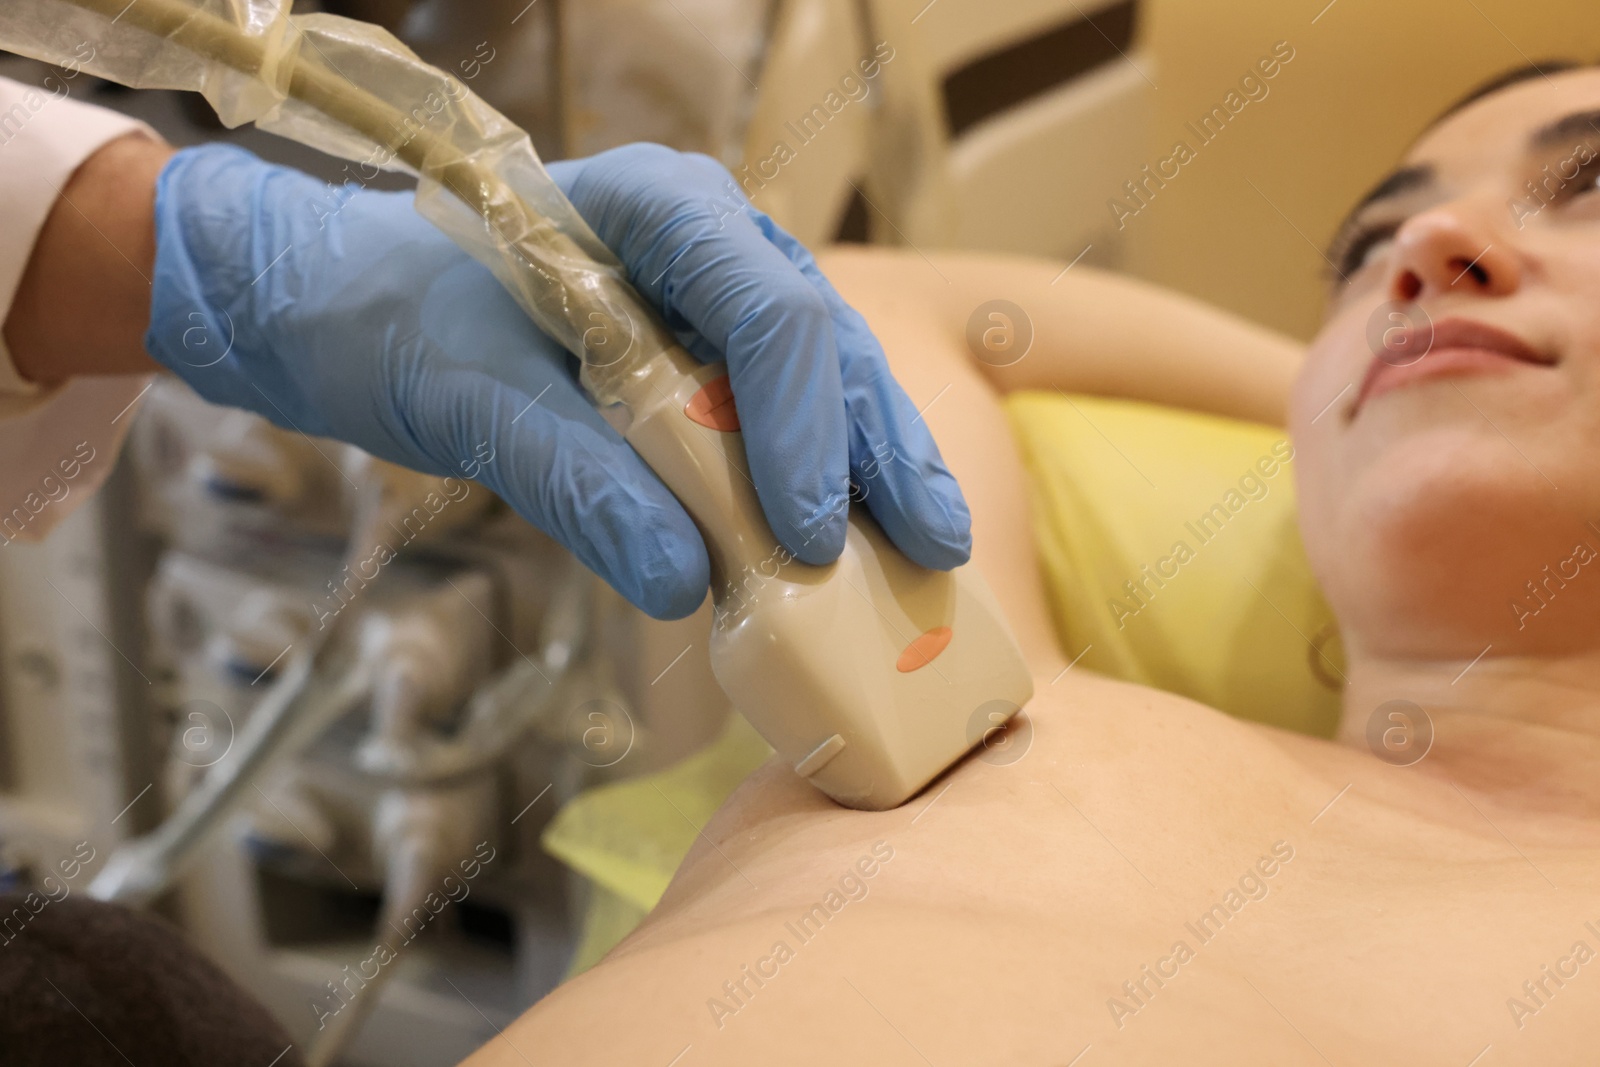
83 302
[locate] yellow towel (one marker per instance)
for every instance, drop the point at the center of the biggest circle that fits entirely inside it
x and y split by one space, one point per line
628 837
1171 554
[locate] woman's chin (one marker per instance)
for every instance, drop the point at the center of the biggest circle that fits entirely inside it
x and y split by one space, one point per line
1436 537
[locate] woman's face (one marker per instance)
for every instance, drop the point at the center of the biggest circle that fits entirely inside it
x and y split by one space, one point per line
1447 421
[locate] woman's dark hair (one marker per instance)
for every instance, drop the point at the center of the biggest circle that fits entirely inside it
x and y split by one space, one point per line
99 985
1504 80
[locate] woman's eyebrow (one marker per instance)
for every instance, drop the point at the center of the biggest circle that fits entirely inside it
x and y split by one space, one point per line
1400 181
1403 180
1576 126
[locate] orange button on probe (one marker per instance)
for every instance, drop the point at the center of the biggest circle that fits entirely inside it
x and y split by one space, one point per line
713 406
924 650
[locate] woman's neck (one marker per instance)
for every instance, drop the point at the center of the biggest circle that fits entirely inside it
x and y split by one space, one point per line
1521 731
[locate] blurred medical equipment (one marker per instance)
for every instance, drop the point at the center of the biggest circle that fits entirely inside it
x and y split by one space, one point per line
481 663
459 743
585 77
981 126
999 128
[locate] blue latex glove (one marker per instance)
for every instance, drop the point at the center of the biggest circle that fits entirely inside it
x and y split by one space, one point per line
345 314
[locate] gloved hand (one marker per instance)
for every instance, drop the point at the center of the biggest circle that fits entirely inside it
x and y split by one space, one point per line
343 313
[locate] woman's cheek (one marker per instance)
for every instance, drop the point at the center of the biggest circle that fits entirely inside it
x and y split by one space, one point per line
1326 383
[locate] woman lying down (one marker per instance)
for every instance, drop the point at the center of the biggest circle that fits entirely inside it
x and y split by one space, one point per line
1157 883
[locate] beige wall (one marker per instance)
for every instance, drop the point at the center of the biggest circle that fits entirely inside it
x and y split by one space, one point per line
1365 78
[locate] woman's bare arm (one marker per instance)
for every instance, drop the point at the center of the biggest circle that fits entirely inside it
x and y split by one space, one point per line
1093 332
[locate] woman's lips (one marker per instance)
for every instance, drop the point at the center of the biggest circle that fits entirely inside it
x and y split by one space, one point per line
1451 347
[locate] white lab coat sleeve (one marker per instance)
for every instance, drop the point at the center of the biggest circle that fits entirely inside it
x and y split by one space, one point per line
57 445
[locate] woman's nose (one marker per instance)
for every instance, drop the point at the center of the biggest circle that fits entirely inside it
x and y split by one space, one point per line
1442 251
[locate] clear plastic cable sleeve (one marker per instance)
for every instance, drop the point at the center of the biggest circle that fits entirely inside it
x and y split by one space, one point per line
351 89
